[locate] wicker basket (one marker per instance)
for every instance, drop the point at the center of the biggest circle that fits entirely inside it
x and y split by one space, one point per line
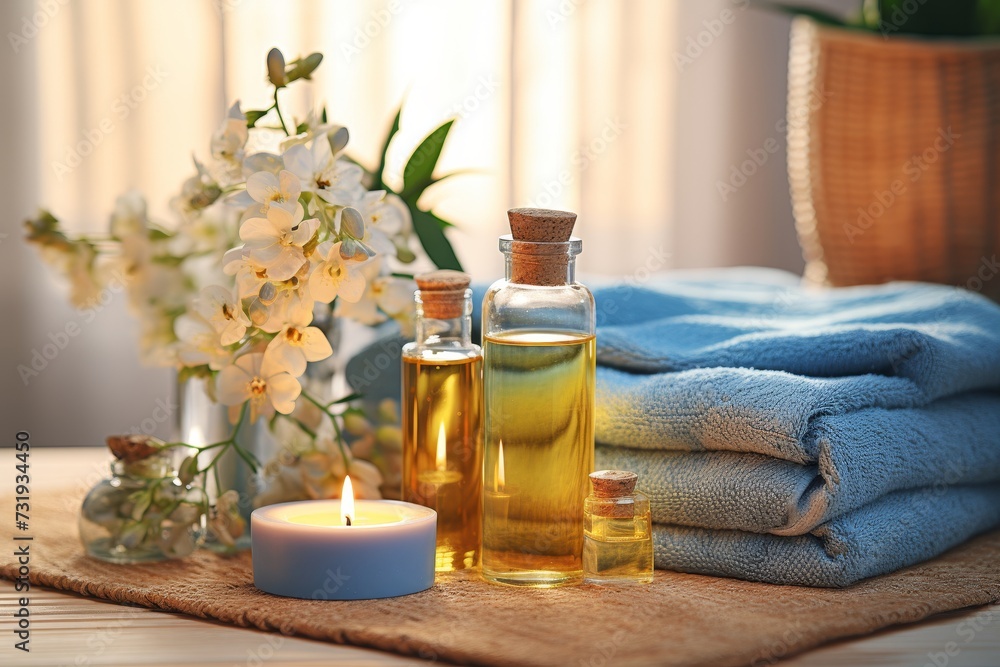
894 157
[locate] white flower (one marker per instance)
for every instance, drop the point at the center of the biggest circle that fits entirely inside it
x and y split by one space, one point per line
336 135
293 305
263 161
229 140
389 225
296 345
268 386
267 189
385 295
199 343
335 276
276 242
250 276
336 181
395 297
386 212
218 306
197 192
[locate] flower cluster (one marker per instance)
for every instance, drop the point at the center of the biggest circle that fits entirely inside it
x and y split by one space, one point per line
311 236
276 225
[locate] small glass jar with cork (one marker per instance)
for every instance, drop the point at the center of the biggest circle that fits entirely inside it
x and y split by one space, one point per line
618 531
442 417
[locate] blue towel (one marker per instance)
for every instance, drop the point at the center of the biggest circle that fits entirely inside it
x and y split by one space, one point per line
943 340
751 406
853 460
897 530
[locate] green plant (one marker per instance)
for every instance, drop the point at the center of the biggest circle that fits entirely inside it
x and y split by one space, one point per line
933 18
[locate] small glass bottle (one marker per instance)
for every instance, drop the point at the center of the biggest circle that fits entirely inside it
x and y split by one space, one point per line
143 512
442 417
538 383
618 531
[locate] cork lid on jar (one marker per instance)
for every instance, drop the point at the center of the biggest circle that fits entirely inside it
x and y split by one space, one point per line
539 252
613 483
442 293
616 489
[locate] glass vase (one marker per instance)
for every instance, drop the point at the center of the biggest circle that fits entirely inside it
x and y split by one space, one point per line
142 513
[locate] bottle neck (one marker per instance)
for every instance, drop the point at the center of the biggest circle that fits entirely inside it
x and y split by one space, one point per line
454 331
525 268
546 263
152 467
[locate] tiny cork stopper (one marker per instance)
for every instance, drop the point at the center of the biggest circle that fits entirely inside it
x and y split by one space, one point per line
614 484
539 264
132 448
442 293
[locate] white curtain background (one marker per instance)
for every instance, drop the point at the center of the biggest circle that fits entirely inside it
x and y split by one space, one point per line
576 104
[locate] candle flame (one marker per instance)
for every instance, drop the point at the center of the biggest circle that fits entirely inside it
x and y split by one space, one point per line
442 461
500 477
347 502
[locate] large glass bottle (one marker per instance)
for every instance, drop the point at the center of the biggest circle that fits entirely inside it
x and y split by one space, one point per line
442 417
538 381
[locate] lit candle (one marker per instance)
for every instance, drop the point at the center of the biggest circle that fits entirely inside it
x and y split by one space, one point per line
442 450
500 478
440 475
343 549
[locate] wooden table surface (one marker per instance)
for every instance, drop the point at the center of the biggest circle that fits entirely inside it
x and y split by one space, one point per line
71 630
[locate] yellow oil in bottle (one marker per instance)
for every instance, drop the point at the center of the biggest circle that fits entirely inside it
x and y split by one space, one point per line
539 432
442 449
618 549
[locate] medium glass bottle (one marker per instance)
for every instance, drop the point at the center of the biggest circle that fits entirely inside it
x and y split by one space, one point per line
538 380
618 531
442 417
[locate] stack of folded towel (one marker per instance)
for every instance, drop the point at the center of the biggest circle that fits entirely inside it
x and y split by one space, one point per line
797 436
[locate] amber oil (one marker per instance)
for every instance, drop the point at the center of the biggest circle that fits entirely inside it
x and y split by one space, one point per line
442 421
539 448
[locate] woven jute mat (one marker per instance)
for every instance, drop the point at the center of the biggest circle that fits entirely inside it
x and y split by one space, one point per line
679 619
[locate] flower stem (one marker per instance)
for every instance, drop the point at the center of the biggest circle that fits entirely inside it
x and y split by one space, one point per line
302 427
336 426
280 117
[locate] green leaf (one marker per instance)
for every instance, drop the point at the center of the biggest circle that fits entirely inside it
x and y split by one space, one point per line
302 68
430 231
380 171
420 167
930 17
301 127
989 17
817 15
254 115
347 399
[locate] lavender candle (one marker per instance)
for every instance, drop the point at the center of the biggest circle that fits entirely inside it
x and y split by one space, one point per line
343 549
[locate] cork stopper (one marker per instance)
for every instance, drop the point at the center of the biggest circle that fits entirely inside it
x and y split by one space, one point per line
612 484
442 293
541 225
534 262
